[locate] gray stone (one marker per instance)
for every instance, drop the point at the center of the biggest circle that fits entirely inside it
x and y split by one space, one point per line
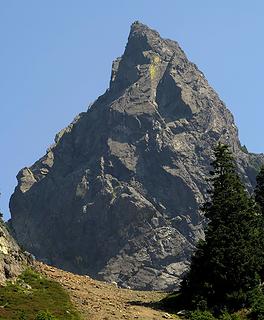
118 194
12 260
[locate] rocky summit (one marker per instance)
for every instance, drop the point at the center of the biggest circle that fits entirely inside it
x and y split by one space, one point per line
118 195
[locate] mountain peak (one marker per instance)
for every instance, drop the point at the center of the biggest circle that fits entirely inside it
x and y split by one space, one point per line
145 50
131 169
139 28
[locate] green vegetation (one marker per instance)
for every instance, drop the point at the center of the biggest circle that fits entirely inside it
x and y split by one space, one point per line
257 304
33 297
244 149
259 190
45 316
227 268
201 315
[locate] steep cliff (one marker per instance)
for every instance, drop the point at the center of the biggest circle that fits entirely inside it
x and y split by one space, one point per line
118 194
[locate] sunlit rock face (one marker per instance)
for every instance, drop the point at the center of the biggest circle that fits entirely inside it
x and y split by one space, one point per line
118 194
12 259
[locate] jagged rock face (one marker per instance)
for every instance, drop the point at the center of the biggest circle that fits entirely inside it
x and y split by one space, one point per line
12 260
118 194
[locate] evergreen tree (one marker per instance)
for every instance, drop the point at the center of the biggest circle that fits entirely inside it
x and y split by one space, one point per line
226 265
259 190
259 198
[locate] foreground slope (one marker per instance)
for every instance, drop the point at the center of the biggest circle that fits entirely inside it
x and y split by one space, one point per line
97 300
32 296
118 194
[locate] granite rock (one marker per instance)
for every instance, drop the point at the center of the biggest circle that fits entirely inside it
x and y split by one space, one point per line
12 259
118 195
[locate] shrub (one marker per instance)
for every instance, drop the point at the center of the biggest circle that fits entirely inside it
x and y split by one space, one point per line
45 316
256 301
201 315
23 316
228 316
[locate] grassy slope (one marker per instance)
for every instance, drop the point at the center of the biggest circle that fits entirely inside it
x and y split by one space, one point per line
32 293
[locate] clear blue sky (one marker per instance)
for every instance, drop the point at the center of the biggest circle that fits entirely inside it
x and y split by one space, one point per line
56 56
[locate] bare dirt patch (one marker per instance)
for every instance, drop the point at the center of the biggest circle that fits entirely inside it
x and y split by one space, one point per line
98 300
